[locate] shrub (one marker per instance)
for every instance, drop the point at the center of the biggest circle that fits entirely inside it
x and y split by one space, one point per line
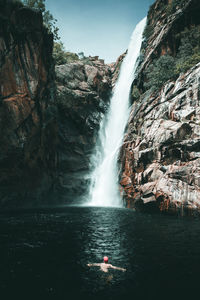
160 71
189 39
135 93
167 67
71 57
189 50
183 66
61 56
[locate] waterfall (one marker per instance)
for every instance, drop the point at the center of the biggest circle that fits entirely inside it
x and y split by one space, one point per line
104 189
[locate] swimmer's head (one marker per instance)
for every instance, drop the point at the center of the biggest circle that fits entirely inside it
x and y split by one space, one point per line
105 259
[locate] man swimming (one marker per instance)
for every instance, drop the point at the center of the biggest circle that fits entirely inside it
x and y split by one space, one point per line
105 265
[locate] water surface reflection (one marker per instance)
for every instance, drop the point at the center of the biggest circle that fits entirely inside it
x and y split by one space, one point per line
45 253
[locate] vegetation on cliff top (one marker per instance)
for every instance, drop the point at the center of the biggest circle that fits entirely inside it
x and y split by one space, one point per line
60 55
160 71
170 64
48 19
168 67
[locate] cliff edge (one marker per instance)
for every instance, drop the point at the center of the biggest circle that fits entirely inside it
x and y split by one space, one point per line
160 156
27 106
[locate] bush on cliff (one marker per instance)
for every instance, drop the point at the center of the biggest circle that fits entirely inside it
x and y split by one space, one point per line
167 67
160 71
189 50
61 56
187 64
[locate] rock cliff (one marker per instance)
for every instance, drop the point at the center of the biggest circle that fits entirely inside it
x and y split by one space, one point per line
49 117
83 91
27 109
48 120
160 156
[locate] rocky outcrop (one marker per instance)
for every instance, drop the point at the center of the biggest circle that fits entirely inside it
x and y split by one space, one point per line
83 91
48 122
161 151
27 110
160 157
164 27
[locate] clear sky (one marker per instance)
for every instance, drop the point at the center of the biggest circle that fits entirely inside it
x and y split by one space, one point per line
97 27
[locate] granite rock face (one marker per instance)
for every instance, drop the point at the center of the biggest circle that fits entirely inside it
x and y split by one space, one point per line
161 151
48 120
27 109
165 28
83 92
160 156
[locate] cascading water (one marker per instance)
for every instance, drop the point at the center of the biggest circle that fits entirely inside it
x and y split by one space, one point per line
104 189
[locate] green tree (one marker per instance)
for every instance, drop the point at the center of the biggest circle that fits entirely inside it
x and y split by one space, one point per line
189 49
184 65
61 56
48 19
160 71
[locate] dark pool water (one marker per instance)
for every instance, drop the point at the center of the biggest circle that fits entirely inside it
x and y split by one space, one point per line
44 255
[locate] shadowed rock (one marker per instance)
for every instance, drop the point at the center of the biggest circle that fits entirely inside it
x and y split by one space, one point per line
27 109
83 92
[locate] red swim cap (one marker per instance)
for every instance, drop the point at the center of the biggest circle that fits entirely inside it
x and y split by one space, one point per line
105 258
